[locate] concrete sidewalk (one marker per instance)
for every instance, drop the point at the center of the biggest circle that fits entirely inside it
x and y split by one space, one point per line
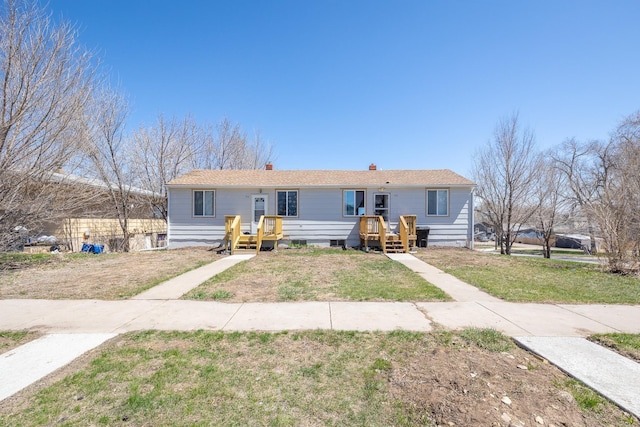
91 316
160 308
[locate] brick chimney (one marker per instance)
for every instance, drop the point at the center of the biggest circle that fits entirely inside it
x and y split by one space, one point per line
268 166
373 167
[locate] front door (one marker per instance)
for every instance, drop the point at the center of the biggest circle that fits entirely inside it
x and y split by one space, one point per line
381 205
258 208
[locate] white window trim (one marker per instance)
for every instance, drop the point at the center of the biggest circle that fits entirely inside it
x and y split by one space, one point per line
426 193
193 203
282 190
355 214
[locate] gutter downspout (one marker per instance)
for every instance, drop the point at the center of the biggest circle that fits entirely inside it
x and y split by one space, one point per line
168 218
473 220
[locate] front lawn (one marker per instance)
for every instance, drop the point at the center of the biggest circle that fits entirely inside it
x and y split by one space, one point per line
314 274
529 279
88 276
313 378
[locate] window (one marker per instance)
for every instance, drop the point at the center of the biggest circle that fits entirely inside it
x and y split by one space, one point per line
437 202
353 203
203 203
287 202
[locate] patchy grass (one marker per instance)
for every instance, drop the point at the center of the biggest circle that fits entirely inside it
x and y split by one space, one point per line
489 339
13 339
383 279
19 260
528 279
314 274
313 378
627 345
587 399
88 276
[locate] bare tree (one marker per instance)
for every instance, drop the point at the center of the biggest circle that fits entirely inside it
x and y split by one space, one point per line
618 202
548 197
258 153
164 152
226 147
627 139
505 170
578 162
46 83
107 152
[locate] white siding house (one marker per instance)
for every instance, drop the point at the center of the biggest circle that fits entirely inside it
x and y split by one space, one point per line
321 206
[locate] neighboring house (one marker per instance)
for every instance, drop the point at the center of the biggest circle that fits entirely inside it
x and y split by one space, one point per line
145 233
85 213
319 207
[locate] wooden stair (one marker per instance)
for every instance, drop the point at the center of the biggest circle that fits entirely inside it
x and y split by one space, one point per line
247 242
374 228
394 245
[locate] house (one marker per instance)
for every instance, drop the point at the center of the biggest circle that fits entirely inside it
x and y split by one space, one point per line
321 207
84 212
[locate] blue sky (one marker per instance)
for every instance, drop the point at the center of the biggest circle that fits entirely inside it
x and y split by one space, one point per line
339 84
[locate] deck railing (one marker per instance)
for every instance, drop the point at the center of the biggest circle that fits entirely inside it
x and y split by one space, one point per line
260 234
270 228
373 227
272 225
407 230
382 230
232 225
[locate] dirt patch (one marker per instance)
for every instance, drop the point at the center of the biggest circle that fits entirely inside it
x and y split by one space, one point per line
475 387
106 276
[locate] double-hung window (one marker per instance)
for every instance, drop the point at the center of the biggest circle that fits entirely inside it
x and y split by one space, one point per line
437 202
287 202
204 203
353 203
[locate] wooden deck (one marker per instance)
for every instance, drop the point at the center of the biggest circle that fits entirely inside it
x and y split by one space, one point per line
269 229
373 228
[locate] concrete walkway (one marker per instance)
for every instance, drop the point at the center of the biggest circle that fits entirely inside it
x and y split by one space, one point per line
454 287
160 308
41 357
180 285
612 375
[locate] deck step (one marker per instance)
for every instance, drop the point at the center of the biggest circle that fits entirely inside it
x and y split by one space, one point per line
394 246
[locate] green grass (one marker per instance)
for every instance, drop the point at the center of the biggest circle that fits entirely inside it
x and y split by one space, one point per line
334 378
587 399
319 274
489 339
554 252
384 279
541 280
13 260
214 378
